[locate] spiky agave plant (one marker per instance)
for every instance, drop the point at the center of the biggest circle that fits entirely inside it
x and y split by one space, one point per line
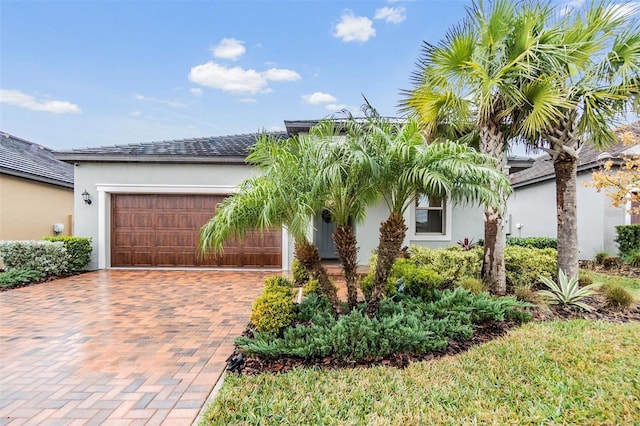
567 291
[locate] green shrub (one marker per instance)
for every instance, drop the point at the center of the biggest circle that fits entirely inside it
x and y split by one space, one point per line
47 257
417 280
407 325
278 283
471 284
524 266
272 311
526 294
78 248
452 264
628 238
600 257
533 242
300 273
16 277
617 296
310 287
584 280
567 292
633 258
366 285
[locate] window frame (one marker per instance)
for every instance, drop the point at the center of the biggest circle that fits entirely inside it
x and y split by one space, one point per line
431 236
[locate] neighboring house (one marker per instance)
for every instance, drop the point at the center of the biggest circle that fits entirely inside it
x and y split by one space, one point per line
36 191
532 207
149 201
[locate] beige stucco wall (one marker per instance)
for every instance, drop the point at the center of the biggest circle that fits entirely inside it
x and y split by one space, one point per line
28 209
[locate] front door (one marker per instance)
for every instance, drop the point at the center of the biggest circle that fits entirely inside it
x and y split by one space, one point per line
324 236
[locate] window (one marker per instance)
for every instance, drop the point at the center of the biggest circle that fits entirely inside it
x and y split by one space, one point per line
430 215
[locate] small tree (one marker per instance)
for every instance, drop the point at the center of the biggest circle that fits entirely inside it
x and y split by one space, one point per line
623 184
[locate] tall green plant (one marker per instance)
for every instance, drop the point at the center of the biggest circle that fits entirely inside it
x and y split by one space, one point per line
466 83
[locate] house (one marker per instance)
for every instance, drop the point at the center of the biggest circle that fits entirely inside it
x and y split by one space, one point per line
36 191
149 200
532 206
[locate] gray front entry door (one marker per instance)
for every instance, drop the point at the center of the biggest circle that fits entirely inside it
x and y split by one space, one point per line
324 236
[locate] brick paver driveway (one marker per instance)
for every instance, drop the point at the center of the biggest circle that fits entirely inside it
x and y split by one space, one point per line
119 347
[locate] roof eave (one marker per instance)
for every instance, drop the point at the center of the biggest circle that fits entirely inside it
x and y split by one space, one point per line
550 176
106 158
36 178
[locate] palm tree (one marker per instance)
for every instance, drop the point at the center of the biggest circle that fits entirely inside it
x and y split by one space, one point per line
346 181
405 167
472 76
282 196
595 69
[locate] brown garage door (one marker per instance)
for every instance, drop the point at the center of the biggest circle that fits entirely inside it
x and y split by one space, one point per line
163 230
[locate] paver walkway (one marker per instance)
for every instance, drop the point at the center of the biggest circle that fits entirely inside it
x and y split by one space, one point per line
119 347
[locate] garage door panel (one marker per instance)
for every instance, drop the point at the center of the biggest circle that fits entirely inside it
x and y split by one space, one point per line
164 230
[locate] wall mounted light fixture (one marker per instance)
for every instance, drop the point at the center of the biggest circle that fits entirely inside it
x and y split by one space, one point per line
86 197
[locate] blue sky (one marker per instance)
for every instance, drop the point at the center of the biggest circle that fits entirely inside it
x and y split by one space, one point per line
88 73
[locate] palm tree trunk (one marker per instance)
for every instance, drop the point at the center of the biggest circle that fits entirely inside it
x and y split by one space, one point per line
566 172
309 257
493 268
392 233
564 148
346 246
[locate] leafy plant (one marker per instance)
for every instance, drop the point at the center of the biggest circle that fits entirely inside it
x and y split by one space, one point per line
533 242
584 280
466 244
633 258
452 264
628 238
567 292
300 273
273 310
16 277
472 285
600 257
526 294
415 280
525 265
48 257
78 248
617 296
611 262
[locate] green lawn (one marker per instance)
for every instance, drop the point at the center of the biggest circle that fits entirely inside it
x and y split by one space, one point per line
631 284
576 372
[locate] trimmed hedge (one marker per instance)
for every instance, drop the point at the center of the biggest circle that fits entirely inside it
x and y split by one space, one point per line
628 238
524 266
47 257
78 248
533 242
452 264
273 310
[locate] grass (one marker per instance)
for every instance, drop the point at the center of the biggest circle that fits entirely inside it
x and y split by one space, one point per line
575 372
631 284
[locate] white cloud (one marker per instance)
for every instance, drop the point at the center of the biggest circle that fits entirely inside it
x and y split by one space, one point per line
394 15
281 74
248 100
135 114
196 91
15 97
319 98
239 80
354 28
229 48
571 6
167 102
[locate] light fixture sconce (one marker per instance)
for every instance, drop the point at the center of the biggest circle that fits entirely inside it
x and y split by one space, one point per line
86 197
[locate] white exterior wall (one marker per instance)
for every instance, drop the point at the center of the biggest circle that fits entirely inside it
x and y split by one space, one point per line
534 207
103 179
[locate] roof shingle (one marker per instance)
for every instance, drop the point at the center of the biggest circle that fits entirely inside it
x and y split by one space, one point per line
542 167
227 149
29 160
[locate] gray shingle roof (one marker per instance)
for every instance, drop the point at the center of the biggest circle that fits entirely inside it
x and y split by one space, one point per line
542 167
29 160
216 149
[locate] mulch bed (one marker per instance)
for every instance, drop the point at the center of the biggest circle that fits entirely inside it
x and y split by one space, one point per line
484 333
